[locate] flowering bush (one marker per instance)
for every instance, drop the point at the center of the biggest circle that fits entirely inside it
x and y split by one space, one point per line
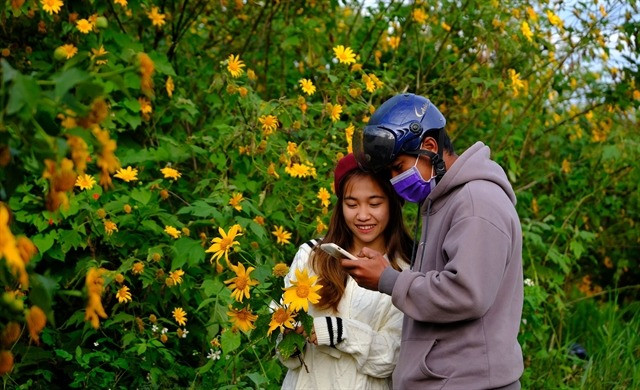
162 161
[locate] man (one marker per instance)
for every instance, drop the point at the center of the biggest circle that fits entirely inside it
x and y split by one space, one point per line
462 297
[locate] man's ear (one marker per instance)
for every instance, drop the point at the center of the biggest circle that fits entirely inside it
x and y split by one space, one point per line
430 144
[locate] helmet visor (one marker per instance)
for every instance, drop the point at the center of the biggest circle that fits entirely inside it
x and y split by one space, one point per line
373 147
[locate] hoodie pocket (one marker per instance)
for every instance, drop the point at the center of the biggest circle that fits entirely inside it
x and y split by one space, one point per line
430 344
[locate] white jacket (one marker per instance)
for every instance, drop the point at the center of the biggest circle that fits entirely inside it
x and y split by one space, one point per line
367 354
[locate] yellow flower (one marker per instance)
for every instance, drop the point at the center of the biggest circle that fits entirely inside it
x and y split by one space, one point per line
419 15
566 166
170 173
119 278
36 320
320 225
94 283
269 123
394 42
127 175
356 67
69 50
85 182
526 31
344 54
110 227
281 318
307 86
348 132
241 283
445 26
180 316
137 268
235 65
271 170
157 19
300 170
636 94
368 82
222 245
516 83
532 14
84 26
555 19
99 52
173 232
302 291
169 86
51 6
145 106
324 196
123 295
242 319
334 111
251 75
280 270
121 3
127 208
282 235
176 276
259 219
235 201
292 148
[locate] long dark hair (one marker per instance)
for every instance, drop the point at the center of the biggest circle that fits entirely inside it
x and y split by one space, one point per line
397 241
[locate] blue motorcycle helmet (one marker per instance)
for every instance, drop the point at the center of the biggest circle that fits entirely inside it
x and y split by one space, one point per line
398 126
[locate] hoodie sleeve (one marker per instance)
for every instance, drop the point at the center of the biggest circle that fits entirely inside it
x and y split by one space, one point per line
467 286
375 351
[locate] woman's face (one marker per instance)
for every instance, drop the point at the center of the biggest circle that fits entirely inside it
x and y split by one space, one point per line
366 211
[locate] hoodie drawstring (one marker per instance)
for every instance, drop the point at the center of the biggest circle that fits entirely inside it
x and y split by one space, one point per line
415 235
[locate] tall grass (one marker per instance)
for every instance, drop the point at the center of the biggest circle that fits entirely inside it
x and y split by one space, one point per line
610 335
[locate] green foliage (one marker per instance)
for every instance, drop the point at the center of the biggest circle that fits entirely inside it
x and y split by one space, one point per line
559 116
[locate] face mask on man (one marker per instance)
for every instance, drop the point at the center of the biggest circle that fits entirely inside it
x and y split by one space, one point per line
411 186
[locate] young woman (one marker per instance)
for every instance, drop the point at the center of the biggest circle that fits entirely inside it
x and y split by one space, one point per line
356 335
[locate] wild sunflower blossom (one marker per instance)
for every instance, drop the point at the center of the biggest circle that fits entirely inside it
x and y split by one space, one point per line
242 319
123 295
241 283
95 285
84 26
526 31
157 19
307 86
303 290
85 182
344 54
180 316
9 250
282 235
169 86
280 270
173 232
137 268
69 50
419 15
269 123
222 245
127 175
51 6
334 111
170 173
235 201
348 132
235 65
176 276
281 318
324 196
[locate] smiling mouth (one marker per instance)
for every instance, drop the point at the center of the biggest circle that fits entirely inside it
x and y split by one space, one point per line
365 227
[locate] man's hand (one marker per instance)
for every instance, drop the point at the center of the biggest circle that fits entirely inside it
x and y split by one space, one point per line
367 269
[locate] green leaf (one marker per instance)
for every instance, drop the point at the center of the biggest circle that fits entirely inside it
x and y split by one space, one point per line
257 378
67 80
230 341
69 239
162 64
44 241
211 287
187 251
64 354
8 73
24 92
141 195
291 342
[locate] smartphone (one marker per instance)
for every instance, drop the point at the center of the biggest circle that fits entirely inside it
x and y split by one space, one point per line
337 252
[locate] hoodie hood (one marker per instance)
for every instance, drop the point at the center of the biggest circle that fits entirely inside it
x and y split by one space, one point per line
473 164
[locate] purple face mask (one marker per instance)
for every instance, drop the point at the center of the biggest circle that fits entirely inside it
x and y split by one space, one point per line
411 186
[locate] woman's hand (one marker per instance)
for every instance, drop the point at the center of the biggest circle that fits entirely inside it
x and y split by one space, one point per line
300 330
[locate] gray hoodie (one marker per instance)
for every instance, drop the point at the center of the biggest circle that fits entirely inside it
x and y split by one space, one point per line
462 299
